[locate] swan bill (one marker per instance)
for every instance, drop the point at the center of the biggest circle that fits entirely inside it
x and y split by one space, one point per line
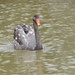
38 21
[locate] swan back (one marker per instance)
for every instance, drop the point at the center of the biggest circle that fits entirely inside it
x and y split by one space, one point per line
24 37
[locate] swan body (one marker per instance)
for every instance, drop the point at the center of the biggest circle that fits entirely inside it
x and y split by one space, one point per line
25 37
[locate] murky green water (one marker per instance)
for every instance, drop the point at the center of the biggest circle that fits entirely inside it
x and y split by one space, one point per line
57 35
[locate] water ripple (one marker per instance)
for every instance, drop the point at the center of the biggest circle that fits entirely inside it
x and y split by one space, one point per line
57 32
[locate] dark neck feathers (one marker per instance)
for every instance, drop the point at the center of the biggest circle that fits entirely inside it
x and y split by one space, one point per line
37 37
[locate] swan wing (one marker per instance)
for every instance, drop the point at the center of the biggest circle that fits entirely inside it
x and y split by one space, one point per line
21 41
31 39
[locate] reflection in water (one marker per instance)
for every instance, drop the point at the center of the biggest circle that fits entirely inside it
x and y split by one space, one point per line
29 63
21 63
57 33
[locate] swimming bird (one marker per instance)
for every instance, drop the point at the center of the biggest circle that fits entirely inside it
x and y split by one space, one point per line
26 37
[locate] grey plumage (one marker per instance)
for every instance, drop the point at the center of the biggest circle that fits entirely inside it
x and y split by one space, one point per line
27 39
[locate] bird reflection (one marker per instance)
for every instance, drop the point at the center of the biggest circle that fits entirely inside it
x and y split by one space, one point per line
29 62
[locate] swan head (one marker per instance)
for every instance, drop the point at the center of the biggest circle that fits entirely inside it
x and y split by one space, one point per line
36 19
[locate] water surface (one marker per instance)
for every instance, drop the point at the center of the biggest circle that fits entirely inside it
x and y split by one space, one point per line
57 32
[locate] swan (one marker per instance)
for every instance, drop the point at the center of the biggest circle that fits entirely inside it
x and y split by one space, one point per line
25 37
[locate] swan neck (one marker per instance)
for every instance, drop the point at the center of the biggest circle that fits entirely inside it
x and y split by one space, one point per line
37 37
